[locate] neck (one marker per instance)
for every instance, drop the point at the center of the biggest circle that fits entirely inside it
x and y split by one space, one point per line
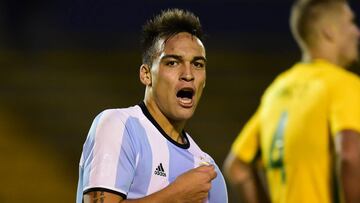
325 52
172 128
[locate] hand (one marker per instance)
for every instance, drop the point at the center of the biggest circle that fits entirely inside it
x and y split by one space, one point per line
194 185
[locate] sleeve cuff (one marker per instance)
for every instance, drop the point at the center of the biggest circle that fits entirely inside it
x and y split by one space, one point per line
104 190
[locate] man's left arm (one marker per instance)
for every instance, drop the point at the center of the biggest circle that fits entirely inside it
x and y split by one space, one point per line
347 145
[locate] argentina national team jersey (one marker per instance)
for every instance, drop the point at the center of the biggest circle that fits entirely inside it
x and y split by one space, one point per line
127 153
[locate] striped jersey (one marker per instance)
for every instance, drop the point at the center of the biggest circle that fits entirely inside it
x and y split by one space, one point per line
127 153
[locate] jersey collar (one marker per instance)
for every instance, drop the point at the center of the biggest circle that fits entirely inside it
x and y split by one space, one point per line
146 112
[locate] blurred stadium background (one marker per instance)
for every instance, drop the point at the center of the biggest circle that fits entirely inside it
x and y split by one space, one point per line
64 61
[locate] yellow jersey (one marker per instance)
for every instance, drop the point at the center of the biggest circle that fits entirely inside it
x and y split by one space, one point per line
299 115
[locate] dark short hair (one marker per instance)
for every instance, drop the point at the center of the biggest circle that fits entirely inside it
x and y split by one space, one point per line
165 25
305 13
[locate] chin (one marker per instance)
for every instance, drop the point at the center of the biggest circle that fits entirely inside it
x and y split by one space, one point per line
184 115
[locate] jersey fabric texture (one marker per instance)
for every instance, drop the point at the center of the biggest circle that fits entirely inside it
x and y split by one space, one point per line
293 130
127 153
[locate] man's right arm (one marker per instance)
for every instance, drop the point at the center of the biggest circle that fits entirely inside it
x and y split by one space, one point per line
241 173
190 187
243 178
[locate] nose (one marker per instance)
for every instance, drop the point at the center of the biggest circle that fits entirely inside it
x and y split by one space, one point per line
187 73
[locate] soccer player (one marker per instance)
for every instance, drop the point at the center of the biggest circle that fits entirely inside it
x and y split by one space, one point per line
142 153
306 131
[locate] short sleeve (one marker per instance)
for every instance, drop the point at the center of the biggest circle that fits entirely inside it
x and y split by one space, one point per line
345 105
246 145
108 155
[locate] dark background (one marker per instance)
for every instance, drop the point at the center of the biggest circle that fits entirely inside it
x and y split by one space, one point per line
64 61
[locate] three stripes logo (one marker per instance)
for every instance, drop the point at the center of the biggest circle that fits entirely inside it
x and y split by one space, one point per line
160 171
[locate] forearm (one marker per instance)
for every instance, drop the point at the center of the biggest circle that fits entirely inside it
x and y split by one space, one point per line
247 190
348 153
350 179
243 178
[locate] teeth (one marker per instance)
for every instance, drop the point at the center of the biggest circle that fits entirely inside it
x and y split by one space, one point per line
185 100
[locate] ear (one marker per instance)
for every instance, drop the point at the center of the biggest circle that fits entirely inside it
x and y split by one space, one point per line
328 32
145 74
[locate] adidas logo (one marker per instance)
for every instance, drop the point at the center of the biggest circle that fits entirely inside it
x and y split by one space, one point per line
160 170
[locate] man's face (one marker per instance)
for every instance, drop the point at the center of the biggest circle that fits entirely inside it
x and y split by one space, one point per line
347 37
178 76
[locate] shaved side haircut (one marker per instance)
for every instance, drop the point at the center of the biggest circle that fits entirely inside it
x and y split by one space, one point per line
306 15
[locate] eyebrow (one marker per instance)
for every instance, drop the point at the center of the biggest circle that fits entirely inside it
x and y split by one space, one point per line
180 57
199 58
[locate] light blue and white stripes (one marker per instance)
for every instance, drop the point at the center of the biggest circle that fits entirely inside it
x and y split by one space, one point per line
124 149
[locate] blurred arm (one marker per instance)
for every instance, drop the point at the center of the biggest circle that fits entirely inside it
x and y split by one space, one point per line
243 178
347 146
242 175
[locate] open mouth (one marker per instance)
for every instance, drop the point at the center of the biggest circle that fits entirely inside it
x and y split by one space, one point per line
185 96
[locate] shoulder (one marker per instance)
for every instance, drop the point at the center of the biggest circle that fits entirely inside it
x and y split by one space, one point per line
121 112
350 77
281 80
343 80
118 114
111 121
288 75
336 74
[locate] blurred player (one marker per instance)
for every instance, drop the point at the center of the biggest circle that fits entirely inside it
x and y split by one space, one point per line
306 130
